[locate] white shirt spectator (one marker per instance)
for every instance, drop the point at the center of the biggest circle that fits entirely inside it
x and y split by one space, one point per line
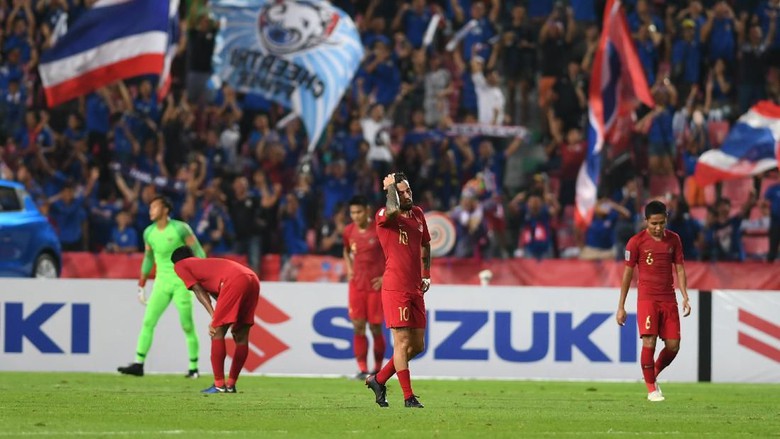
378 137
490 101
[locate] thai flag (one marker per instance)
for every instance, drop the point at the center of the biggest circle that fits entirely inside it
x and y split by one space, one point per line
749 149
173 46
617 82
113 40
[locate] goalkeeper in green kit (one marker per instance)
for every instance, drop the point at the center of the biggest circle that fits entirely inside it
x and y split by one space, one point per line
161 238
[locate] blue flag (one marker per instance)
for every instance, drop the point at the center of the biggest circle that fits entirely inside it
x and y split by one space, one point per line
301 54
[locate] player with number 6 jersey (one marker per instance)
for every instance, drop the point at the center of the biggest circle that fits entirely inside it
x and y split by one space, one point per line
655 252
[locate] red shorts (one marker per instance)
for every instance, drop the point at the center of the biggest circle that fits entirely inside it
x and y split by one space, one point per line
237 301
658 318
365 305
404 310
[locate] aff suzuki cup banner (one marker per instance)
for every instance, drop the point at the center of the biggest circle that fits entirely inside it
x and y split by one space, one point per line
303 329
746 336
301 54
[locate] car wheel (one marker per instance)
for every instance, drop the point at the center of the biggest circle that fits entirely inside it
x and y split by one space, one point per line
45 267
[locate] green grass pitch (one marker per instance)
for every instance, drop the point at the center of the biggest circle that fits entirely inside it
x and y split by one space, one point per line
62 405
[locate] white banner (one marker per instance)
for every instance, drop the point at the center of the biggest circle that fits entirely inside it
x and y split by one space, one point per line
486 332
746 336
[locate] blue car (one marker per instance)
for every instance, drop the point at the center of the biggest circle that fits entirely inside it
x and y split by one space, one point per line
29 246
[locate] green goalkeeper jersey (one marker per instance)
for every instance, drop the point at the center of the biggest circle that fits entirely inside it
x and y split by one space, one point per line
164 242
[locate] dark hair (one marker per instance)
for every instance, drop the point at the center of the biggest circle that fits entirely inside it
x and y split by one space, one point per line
358 200
399 177
164 200
655 207
180 253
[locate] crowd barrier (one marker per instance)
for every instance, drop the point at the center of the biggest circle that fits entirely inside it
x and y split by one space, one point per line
473 332
454 271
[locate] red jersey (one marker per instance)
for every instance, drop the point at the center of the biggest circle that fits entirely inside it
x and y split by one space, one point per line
366 253
654 260
211 273
402 238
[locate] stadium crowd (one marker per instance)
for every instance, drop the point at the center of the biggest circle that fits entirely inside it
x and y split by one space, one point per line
238 171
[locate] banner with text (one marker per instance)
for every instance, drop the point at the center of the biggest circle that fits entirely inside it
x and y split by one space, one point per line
303 328
746 336
301 54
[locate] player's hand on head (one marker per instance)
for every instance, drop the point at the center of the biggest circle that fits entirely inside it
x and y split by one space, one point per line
142 295
388 181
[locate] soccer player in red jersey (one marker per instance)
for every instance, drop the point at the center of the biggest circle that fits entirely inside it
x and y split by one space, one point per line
362 253
405 240
655 251
236 289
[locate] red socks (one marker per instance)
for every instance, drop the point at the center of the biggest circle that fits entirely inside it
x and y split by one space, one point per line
664 359
218 361
386 372
239 358
406 383
360 348
379 350
648 368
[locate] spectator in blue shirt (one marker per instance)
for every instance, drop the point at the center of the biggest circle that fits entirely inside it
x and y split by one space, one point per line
538 10
643 15
19 40
723 234
584 10
102 211
124 238
458 11
647 41
70 218
97 123
600 235
478 41
336 189
384 77
753 62
294 227
413 20
720 32
75 131
660 136
767 13
536 232
686 58
145 105
12 106
689 229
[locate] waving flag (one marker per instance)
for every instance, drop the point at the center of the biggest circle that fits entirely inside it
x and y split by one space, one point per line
173 46
301 54
115 39
749 149
617 81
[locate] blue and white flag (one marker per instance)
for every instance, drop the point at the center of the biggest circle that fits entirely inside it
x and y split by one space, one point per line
751 147
301 54
114 39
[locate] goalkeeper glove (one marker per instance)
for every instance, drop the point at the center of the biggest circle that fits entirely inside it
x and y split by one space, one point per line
142 295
